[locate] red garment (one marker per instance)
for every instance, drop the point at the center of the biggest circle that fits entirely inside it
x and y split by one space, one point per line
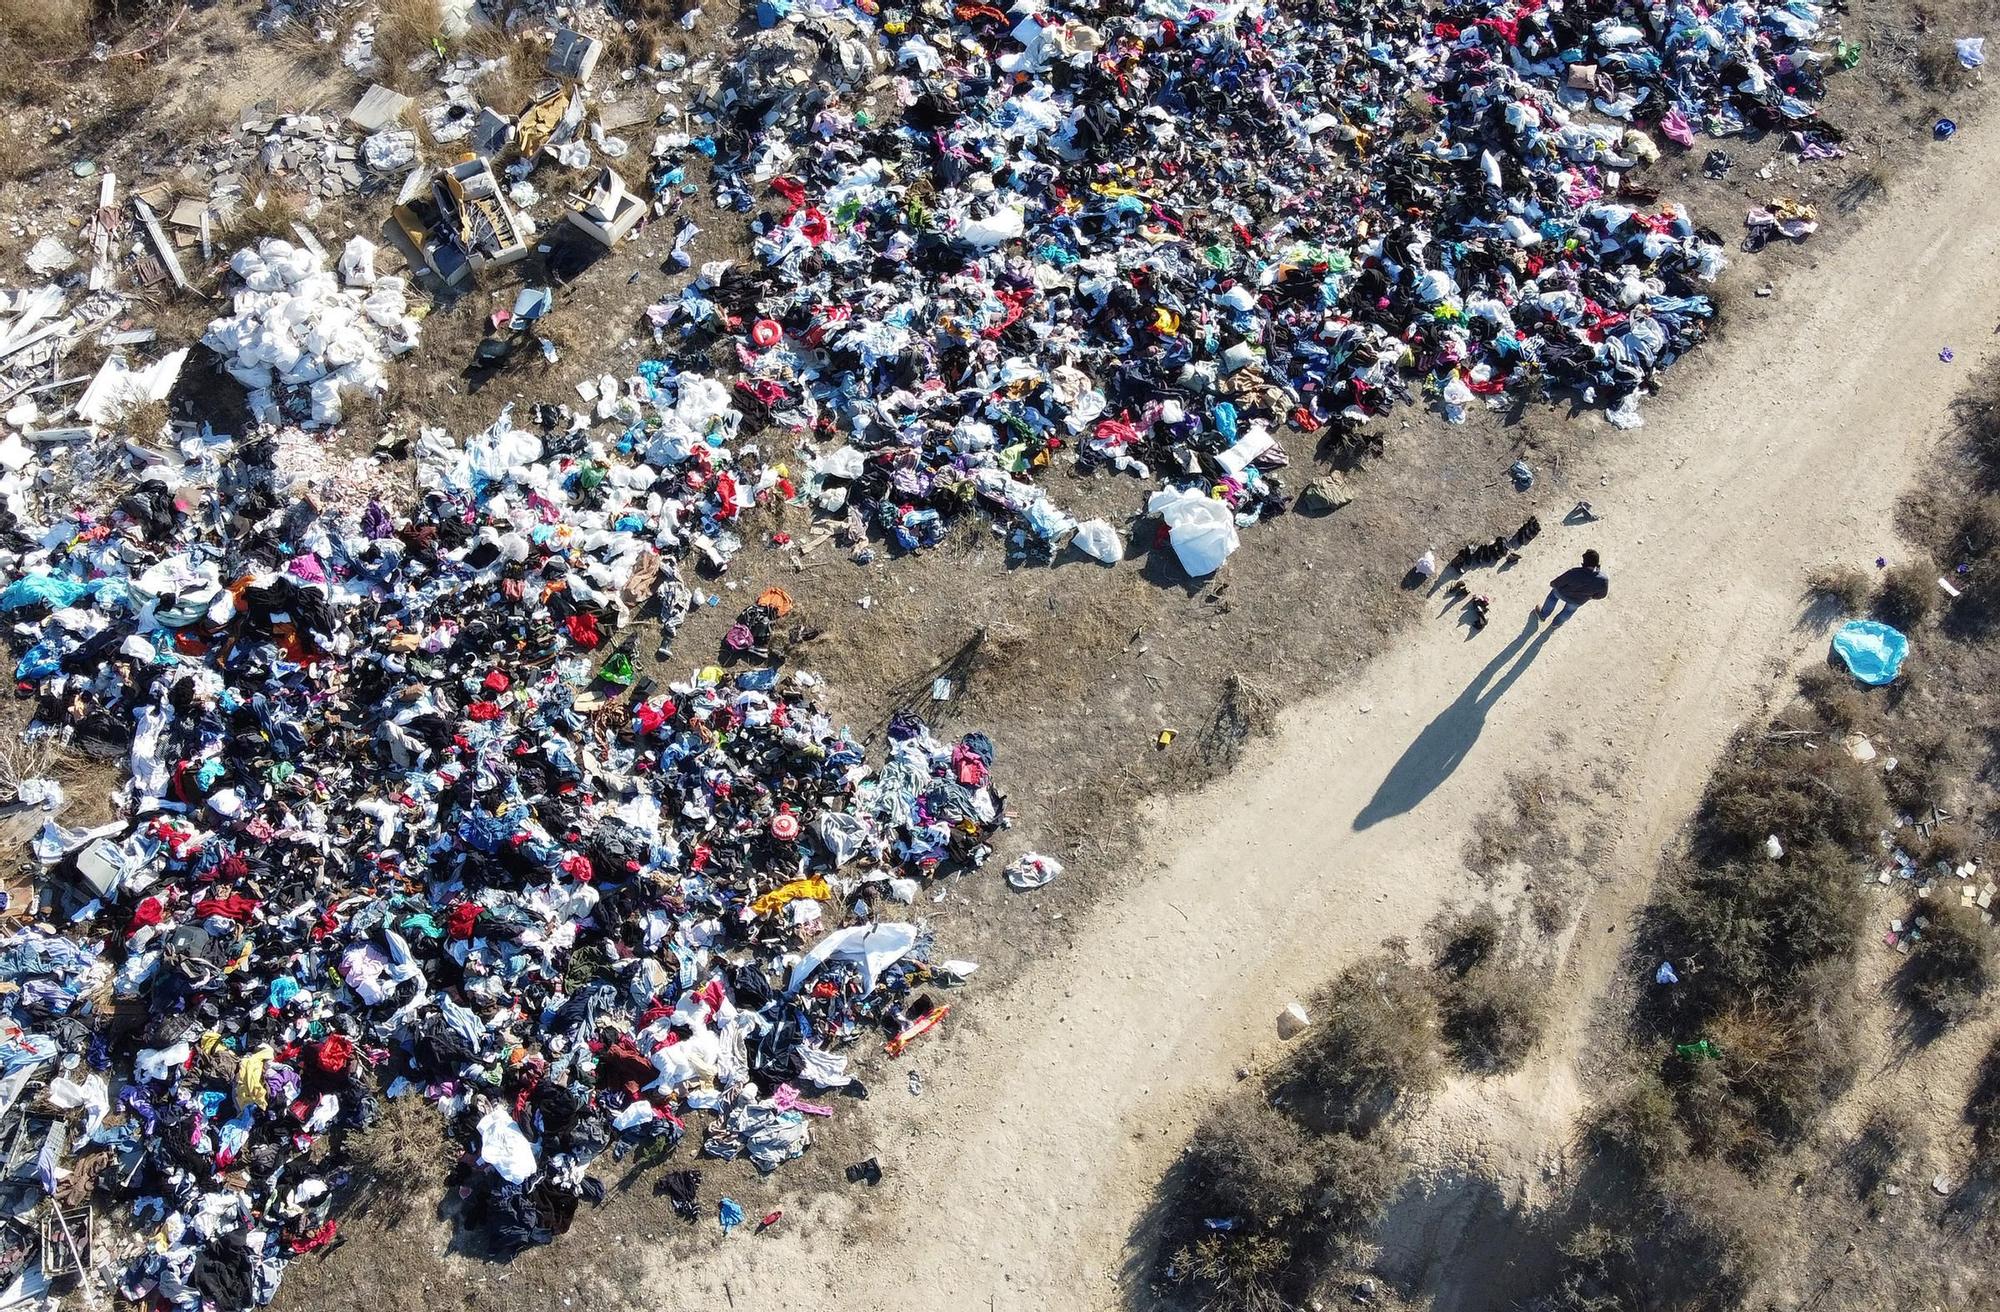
583 629
333 1053
233 907
318 1239
462 920
622 1064
497 681
791 189
146 913
486 710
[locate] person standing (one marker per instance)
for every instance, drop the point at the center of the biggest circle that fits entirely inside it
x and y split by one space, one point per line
1573 587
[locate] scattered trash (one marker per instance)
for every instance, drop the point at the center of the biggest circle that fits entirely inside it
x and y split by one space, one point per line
1787 218
1666 974
1032 870
48 257
1944 129
1971 51
297 339
1292 1021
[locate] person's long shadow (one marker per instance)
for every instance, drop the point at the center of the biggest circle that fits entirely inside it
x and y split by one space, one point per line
1438 750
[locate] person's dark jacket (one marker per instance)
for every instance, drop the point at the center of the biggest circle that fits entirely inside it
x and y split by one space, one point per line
1581 584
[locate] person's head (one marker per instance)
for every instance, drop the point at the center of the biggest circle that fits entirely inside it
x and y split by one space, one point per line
1590 560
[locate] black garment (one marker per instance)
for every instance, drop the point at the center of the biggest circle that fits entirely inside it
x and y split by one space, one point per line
1579 585
680 1187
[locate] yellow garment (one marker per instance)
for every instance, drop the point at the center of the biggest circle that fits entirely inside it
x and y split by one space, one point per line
250 1088
816 888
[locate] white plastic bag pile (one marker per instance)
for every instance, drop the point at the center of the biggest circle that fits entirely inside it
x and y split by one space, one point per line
296 327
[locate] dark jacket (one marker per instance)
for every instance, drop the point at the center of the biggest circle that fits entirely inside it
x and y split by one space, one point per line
1579 585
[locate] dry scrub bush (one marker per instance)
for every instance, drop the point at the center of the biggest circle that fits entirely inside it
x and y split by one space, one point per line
1689 1241
1833 701
1371 1046
1803 797
1846 589
1932 766
1950 969
1776 1070
1753 929
1904 599
1492 1018
1982 1112
1641 1126
1468 940
1290 1196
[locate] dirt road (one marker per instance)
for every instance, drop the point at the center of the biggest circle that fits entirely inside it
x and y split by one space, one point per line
1019 1175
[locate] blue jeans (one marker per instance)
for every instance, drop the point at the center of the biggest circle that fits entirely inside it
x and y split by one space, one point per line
1549 604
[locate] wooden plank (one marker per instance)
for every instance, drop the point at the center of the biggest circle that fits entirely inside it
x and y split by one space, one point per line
168 259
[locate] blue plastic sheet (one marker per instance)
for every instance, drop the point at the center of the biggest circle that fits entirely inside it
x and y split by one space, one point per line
1872 652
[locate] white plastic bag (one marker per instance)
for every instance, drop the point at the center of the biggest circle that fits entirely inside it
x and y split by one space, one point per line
1099 541
1202 529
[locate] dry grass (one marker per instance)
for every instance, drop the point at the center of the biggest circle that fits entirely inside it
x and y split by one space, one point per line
510 86
209 112
1982 1112
1907 592
282 207
1845 588
17 156
299 43
1529 835
404 30
143 420
1937 68
46 29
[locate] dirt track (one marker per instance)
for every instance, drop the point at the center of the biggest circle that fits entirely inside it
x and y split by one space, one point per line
1022 1174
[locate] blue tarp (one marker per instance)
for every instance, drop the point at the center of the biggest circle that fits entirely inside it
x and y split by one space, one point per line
1872 652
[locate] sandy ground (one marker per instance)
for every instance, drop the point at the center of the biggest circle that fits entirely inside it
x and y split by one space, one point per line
1024 1170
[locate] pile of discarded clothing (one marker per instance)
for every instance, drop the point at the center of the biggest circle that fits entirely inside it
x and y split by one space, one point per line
1163 241
404 814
